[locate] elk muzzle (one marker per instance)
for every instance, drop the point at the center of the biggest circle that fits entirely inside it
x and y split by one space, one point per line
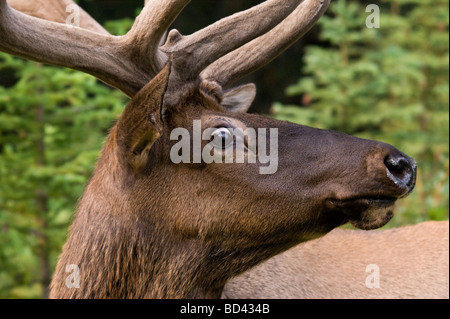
369 188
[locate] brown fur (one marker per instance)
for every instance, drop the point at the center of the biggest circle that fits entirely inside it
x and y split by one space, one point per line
161 230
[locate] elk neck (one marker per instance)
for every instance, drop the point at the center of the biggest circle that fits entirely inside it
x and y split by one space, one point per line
123 252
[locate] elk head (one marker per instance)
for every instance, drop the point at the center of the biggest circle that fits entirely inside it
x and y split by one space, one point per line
149 227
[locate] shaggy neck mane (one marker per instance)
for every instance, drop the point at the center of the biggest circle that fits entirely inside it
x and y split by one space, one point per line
122 254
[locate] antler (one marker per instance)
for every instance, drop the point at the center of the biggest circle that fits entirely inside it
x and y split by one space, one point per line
223 52
56 11
65 45
267 47
195 52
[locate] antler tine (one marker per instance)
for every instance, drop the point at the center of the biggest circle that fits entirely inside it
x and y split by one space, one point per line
267 47
56 11
144 38
195 52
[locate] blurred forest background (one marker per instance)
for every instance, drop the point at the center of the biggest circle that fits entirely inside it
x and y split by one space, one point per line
389 83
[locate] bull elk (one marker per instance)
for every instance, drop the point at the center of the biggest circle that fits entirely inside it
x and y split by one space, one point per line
146 227
400 263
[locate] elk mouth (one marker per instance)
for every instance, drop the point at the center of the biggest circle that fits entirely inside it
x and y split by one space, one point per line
368 212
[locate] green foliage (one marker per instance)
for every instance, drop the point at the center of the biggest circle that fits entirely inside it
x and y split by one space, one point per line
389 84
52 124
119 27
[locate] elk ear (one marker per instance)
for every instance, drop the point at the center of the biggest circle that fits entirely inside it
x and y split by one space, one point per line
239 99
140 124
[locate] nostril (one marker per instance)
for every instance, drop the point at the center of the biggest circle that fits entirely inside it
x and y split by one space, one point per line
396 165
400 169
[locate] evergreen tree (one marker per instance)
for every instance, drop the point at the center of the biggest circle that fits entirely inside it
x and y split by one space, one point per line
52 124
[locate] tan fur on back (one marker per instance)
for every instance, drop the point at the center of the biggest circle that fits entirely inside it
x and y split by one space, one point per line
413 263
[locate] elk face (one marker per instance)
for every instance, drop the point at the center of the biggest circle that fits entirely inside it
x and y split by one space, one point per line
323 178
149 227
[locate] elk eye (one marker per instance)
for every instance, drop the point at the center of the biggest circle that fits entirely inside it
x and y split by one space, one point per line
222 137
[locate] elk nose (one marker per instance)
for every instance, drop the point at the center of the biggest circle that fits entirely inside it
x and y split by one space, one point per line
402 171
